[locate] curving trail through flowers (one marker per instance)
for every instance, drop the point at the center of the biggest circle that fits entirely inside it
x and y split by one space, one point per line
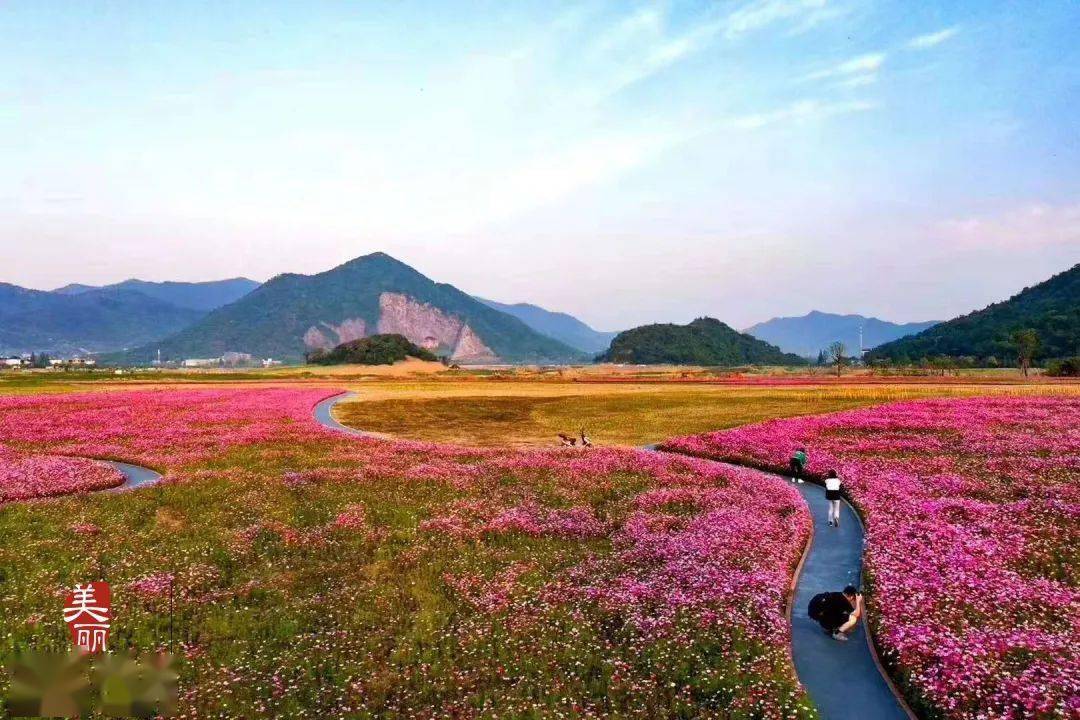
33 476
844 679
971 507
135 476
562 582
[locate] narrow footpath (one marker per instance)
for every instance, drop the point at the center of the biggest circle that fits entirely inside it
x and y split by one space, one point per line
842 678
135 476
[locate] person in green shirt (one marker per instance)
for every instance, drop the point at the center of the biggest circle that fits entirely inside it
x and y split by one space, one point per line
798 464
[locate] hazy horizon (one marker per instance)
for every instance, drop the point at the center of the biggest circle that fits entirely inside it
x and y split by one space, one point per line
623 163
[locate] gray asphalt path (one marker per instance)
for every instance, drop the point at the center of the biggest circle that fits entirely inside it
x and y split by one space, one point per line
842 678
135 476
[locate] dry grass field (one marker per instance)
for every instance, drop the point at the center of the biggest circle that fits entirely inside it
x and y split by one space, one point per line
518 406
526 412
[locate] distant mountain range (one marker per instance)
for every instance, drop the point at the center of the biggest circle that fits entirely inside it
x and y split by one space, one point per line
705 341
811 333
204 296
1051 308
375 294
91 321
292 314
83 319
558 325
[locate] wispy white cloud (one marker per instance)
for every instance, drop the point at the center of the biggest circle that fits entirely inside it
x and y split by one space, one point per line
644 45
857 81
867 64
1026 226
930 40
801 111
763 13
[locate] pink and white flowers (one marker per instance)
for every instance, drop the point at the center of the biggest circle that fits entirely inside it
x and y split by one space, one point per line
972 537
30 476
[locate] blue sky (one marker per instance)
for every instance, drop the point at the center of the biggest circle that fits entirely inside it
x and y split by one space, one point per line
627 162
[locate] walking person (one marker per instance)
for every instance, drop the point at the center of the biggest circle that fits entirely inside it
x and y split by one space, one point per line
798 464
833 496
837 612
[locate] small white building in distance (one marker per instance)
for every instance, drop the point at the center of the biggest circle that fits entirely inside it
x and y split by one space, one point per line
236 358
201 362
11 362
270 362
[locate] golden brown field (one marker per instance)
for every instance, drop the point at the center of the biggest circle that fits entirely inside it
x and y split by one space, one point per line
527 410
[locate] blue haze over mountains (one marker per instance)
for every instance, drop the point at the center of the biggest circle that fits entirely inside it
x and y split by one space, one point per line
809 334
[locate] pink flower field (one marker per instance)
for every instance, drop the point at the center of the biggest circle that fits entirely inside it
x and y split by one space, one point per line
973 541
24 477
158 428
305 569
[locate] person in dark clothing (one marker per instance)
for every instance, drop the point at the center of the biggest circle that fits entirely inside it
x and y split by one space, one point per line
798 464
837 612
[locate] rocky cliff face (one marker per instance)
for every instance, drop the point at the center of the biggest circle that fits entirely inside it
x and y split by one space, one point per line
431 328
423 324
325 335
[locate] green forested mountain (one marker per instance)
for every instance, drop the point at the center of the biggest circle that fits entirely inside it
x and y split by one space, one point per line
374 350
705 341
91 321
1051 309
292 314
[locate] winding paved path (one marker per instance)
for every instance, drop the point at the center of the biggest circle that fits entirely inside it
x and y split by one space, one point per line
135 476
843 679
324 417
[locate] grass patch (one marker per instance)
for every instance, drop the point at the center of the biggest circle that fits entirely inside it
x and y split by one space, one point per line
533 413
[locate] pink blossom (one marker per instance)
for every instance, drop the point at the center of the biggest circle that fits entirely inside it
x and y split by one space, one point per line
971 508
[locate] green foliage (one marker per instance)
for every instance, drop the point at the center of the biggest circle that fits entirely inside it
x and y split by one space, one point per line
1069 367
705 341
374 350
1051 309
271 320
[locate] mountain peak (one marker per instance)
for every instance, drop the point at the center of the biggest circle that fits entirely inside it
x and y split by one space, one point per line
371 294
808 334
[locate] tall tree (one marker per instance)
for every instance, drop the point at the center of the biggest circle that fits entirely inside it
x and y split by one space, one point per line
837 353
1027 343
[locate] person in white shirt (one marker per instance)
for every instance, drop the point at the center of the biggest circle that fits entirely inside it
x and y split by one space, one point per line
832 494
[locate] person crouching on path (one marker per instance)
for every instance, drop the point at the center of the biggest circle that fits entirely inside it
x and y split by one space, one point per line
798 464
832 494
837 612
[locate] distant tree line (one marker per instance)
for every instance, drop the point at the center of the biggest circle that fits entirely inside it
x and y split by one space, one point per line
1021 351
